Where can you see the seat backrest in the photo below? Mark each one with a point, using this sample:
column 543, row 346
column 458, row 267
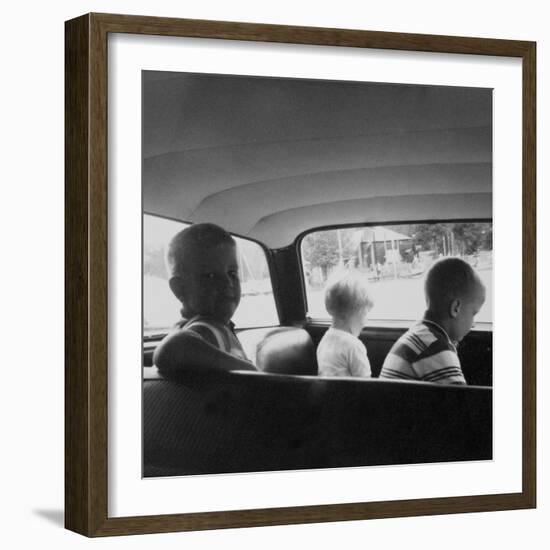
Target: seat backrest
column 242, row 422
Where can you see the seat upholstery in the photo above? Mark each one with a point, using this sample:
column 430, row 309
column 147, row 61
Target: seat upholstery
column 238, row 422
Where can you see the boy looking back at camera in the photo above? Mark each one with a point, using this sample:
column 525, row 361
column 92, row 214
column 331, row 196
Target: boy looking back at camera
column 340, row 352
column 427, row 351
column 203, row 271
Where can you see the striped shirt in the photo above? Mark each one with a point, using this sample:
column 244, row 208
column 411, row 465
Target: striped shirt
column 424, row 353
column 217, row 334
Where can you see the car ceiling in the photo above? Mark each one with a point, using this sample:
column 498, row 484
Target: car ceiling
column 268, row 158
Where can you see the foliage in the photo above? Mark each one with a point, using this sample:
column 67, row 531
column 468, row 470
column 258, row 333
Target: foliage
column 153, row 262
column 453, row 238
column 326, row 249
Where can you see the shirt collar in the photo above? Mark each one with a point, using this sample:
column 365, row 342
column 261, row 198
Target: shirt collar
column 183, row 321
column 440, row 329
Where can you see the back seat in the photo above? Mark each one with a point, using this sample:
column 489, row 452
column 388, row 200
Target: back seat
column 239, row 422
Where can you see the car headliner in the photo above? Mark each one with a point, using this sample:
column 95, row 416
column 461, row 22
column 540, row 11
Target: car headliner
column 268, row 158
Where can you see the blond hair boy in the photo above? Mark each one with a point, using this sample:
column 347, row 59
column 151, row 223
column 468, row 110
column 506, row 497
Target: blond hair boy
column 340, row 352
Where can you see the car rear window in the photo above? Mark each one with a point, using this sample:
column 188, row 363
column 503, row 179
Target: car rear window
column 394, row 259
column 161, row 308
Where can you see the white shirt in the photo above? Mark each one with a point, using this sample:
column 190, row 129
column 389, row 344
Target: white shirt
column 341, row 354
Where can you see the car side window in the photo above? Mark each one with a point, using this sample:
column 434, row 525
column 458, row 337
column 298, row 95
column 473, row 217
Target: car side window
column 394, row 259
column 161, row 308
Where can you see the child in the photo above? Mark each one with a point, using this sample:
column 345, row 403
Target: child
column 340, row 352
column 427, row 351
column 203, row 269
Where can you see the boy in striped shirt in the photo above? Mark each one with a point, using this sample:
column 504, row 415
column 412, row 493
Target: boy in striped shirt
column 427, row 351
column 202, row 262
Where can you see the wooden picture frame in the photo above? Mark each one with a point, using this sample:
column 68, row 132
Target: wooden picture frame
column 86, row 280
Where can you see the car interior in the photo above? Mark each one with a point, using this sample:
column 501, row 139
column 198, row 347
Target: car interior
column 271, row 160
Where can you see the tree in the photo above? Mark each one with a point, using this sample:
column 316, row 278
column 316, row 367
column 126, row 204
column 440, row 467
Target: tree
column 470, row 236
column 321, row 249
column 454, row 238
column 153, row 262
column 430, row 236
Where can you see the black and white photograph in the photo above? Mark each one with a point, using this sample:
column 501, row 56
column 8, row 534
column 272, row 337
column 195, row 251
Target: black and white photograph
column 229, row 228
column 317, row 274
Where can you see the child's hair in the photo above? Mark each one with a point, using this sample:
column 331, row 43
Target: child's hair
column 447, row 280
column 197, row 236
column 347, row 294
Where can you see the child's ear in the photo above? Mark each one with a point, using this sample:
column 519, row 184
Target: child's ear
column 177, row 287
column 454, row 308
